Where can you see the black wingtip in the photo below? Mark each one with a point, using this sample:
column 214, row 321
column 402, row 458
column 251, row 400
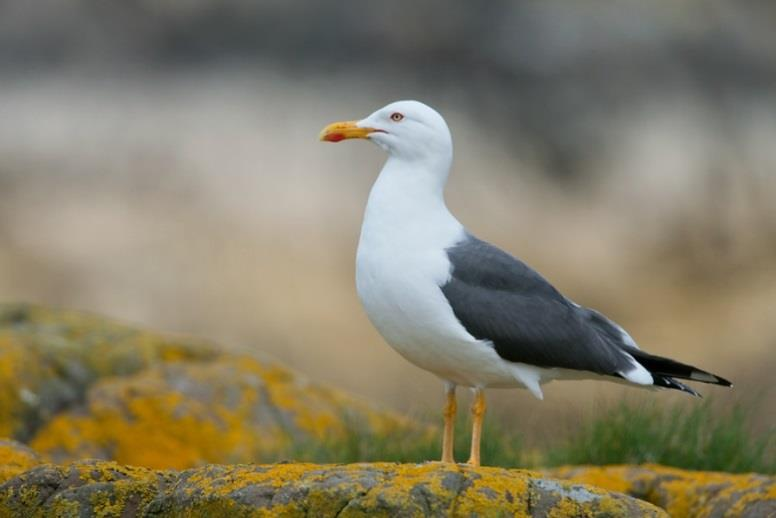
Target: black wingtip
column 671, row 383
column 707, row 377
column 666, row 367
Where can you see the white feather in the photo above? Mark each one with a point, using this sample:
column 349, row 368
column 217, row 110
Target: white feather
column 637, row 374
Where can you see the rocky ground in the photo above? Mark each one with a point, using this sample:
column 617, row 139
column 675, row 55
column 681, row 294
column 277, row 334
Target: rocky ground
column 682, row 492
column 172, row 427
column 103, row 488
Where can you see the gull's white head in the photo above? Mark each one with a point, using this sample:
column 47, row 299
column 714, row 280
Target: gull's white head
column 408, row 130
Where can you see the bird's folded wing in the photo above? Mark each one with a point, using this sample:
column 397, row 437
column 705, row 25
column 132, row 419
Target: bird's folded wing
column 498, row 298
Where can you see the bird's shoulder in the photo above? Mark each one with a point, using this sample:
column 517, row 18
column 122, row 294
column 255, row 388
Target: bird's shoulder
column 478, row 263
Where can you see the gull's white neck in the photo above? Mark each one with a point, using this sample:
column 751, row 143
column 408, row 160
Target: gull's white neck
column 402, row 262
column 406, row 210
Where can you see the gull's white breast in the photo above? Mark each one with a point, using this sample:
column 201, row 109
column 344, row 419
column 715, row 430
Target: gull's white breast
column 400, row 265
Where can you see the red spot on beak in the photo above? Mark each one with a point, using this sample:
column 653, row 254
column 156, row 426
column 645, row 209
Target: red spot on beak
column 335, row 137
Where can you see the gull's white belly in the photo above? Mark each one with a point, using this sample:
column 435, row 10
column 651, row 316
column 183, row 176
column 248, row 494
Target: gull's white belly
column 402, row 297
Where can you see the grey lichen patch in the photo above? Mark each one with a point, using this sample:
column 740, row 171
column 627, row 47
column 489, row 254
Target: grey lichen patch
column 455, row 482
column 577, row 493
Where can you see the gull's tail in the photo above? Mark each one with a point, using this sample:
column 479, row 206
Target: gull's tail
column 665, row 370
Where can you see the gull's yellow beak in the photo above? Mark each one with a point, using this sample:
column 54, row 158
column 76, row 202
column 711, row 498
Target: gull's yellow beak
column 337, row 131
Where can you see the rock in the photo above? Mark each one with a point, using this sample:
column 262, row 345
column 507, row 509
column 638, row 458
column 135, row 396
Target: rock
column 15, row 458
column 49, row 358
column 89, row 488
column 97, row 488
column 683, row 493
column 75, row 385
column 179, row 415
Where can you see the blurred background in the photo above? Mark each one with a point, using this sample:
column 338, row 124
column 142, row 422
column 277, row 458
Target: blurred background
column 159, row 163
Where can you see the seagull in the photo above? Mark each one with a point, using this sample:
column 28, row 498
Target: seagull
column 461, row 308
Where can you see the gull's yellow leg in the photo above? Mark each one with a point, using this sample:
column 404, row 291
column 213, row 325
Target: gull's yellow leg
column 447, row 438
column 478, row 413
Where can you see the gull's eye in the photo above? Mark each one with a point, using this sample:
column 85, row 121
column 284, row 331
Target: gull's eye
column 397, row 117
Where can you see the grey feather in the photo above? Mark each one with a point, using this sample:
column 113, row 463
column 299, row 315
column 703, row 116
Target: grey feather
column 499, row 298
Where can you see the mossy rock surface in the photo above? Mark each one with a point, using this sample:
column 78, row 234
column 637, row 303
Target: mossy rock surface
column 683, row 493
column 99, row 488
column 74, row 385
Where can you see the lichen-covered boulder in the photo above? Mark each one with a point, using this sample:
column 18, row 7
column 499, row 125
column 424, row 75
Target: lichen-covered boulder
column 49, row 358
column 85, row 489
column 75, row 385
column 15, row 458
column 183, row 414
column 683, row 493
column 97, row 488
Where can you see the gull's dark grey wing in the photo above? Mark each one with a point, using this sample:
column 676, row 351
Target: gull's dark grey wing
column 499, row 298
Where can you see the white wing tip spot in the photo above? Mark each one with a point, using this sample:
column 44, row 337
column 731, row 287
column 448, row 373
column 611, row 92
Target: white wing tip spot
column 638, row 374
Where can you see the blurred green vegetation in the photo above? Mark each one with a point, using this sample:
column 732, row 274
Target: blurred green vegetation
column 687, row 435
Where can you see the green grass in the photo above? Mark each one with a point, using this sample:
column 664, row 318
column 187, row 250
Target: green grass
column 499, row 447
column 691, row 435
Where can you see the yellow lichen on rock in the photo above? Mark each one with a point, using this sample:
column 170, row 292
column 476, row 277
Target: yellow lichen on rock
column 15, row 458
column 49, row 358
column 683, row 493
column 185, row 414
column 88, row 488
column 608, row 477
column 76, row 385
column 174, row 416
column 11, row 358
column 96, row 488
